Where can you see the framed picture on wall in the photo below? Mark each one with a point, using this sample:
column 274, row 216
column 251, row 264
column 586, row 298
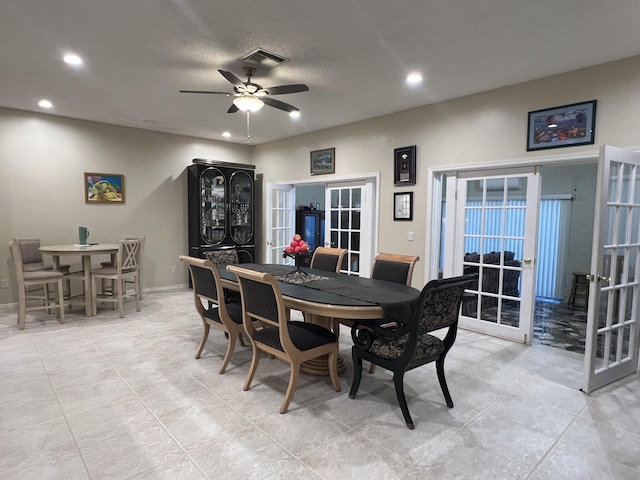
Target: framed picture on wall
column 404, row 165
column 103, row 188
column 403, row 206
column 323, row 161
column 564, row 126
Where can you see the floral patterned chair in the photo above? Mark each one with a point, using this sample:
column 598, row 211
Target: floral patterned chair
column 409, row 344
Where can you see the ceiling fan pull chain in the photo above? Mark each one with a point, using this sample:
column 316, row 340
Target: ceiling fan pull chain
column 248, row 127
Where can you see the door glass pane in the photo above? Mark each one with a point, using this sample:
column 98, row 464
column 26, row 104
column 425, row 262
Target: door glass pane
column 355, row 198
column 355, row 241
column 355, row 220
column 212, row 211
column 345, row 195
column 344, row 219
column 334, row 219
column 335, row 198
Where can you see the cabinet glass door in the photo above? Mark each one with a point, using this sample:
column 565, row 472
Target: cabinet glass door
column 212, row 211
column 241, row 207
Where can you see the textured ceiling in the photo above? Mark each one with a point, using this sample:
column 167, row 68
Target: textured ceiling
column 353, row 55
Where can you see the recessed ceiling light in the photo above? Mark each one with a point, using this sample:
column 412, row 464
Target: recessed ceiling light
column 44, row 103
column 414, row 78
column 295, row 114
column 72, row 59
column 226, row 134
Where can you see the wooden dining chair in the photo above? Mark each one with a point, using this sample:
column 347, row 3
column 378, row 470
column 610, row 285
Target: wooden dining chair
column 126, row 271
column 34, row 262
column 328, row 259
column 210, row 303
column 293, row 342
column 106, row 288
column 29, row 299
column 407, row 344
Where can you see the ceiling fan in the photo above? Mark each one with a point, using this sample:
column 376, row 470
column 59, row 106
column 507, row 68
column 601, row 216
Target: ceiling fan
column 251, row 97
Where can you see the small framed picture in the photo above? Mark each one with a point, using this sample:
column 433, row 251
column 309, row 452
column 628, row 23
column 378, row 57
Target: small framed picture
column 323, row 161
column 103, row 188
column 564, row 126
column 404, row 166
column 403, row 206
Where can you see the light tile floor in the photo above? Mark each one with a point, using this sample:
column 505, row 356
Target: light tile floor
column 112, row 398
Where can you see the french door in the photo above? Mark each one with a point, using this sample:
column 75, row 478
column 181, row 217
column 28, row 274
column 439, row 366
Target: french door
column 496, row 218
column 280, row 220
column 349, row 217
column 612, row 325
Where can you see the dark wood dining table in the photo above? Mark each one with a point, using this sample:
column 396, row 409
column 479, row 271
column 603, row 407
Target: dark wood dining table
column 323, row 296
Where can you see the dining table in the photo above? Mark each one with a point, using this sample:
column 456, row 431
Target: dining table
column 323, row 296
column 86, row 252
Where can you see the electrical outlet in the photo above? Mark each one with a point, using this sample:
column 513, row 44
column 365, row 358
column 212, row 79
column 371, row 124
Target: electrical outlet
column 410, row 236
column 174, row 269
column 4, row 283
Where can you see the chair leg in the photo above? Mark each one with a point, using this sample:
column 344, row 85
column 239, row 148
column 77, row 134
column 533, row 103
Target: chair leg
column 254, row 366
column 231, row 345
column 94, row 298
column 241, row 339
column 119, row 288
column 61, row 299
column 136, row 286
column 443, row 381
column 22, row 307
column 357, row 373
column 205, row 335
column 293, row 382
column 398, row 380
column 372, row 368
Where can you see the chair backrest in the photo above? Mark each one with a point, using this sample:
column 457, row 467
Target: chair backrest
column 262, row 300
column 129, row 255
column 18, row 264
column 328, row 259
column 30, row 250
column 393, row 267
column 205, row 279
column 439, row 302
column 222, row 258
column 142, row 238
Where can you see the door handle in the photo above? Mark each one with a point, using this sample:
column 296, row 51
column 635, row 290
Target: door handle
column 526, row 260
column 591, row 278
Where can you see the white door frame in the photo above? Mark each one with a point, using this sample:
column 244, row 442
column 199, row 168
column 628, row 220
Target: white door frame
column 373, row 177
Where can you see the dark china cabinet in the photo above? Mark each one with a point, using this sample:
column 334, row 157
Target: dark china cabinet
column 221, row 208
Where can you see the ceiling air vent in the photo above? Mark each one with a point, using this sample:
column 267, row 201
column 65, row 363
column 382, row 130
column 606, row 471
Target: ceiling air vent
column 264, row 59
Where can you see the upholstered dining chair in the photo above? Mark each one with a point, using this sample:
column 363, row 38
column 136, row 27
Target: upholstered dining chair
column 34, row 262
column 106, row 289
column 328, row 259
column 222, row 258
column 408, row 344
column 290, row 341
column 126, row 271
column 391, row 267
column 39, row 278
column 210, row 304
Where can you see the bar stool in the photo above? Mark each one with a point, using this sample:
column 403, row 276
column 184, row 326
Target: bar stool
column 579, row 289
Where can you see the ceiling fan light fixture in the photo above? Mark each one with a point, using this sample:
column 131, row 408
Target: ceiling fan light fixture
column 248, row 103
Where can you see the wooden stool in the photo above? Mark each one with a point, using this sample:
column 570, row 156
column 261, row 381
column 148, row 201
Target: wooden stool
column 579, row 289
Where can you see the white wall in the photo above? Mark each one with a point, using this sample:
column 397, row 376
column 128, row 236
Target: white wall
column 484, row 128
column 42, row 163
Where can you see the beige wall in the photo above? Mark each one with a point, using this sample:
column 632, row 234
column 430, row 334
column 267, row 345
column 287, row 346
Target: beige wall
column 42, row 160
column 480, row 129
column 42, row 163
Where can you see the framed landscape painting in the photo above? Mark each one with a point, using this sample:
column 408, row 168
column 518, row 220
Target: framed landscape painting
column 323, row 161
column 103, row 188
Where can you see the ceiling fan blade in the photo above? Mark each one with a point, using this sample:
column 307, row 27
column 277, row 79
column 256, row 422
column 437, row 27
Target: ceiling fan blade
column 233, row 108
column 235, row 81
column 278, row 104
column 284, row 89
column 203, row 91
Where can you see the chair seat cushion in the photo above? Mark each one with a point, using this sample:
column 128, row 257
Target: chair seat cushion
column 304, row 336
column 110, row 270
column 233, row 309
column 42, row 275
column 390, row 348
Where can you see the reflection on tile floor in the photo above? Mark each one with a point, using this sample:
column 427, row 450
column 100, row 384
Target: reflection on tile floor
column 106, row 397
column 560, row 325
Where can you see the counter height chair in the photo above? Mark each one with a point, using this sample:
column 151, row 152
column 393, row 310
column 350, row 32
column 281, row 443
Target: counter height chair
column 408, row 345
column 41, row 278
column 34, row 262
column 292, row 342
column 328, row 259
column 214, row 312
column 106, row 289
column 126, row 271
